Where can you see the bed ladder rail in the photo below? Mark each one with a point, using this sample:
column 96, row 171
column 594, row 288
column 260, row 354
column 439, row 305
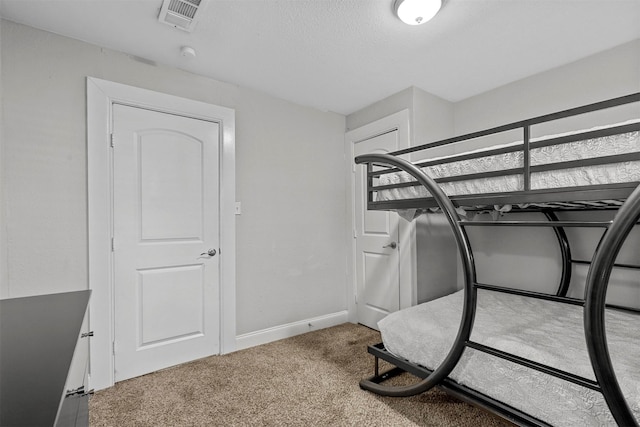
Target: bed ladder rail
column 466, row 256
column 595, row 302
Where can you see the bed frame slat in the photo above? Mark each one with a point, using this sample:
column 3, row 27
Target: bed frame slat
column 567, row 376
column 451, row 387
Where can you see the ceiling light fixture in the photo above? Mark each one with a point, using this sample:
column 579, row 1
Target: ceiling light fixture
column 416, row 12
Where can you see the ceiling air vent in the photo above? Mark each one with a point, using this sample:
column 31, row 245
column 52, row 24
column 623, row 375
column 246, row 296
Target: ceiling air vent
column 181, row 14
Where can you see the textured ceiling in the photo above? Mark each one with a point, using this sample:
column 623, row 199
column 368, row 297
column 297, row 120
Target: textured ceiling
column 342, row 55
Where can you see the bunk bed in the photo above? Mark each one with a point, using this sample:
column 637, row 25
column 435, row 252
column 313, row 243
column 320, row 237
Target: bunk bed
column 533, row 358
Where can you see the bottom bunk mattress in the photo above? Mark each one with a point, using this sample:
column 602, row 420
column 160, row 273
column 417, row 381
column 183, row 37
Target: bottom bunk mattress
column 546, row 332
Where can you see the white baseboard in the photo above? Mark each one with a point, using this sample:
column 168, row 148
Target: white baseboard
column 275, row 333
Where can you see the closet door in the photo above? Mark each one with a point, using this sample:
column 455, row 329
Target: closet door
column 377, row 244
column 166, row 240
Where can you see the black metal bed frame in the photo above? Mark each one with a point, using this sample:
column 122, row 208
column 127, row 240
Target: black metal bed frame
column 600, row 266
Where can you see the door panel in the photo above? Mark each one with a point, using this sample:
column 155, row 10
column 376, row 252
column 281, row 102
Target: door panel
column 377, row 259
column 375, row 222
column 378, row 294
column 170, row 195
column 165, row 222
column 184, row 287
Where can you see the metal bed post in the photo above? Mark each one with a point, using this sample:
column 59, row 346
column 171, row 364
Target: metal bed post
column 526, row 157
column 470, row 292
column 595, row 303
column 565, row 250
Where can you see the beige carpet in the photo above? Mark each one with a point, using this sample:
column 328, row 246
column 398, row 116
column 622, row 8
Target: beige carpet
column 308, row 380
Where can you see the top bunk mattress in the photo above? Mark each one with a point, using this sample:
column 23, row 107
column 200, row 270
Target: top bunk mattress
column 579, row 175
column 546, row 332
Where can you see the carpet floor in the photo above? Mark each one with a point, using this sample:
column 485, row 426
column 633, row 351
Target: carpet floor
column 307, row 380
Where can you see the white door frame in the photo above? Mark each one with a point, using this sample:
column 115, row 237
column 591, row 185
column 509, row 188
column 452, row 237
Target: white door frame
column 101, row 95
column 407, row 230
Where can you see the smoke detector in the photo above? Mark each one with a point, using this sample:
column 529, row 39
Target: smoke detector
column 181, row 14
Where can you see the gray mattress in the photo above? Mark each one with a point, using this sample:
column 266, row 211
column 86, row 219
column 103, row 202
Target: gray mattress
column 628, row 142
column 546, row 332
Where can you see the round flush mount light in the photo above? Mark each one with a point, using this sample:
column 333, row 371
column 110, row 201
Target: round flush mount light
column 416, row 12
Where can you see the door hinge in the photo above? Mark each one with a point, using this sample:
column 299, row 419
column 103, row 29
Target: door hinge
column 113, row 348
column 111, row 140
column 113, row 244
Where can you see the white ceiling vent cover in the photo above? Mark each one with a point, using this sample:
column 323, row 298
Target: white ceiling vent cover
column 181, row 14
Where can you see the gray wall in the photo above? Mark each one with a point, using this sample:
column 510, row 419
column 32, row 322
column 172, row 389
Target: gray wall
column 615, row 72
column 524, row 257
column 512, row 257
column 291, row 260
column 3, row 241
column 291, row 256
column 382, row 108
column 430, row 119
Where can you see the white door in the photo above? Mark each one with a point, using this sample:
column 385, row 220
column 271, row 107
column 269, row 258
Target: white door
column 377, row 244
column 166, row 237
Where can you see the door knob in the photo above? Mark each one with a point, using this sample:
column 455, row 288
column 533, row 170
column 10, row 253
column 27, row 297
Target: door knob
column 391, row 245
column 210, row 252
